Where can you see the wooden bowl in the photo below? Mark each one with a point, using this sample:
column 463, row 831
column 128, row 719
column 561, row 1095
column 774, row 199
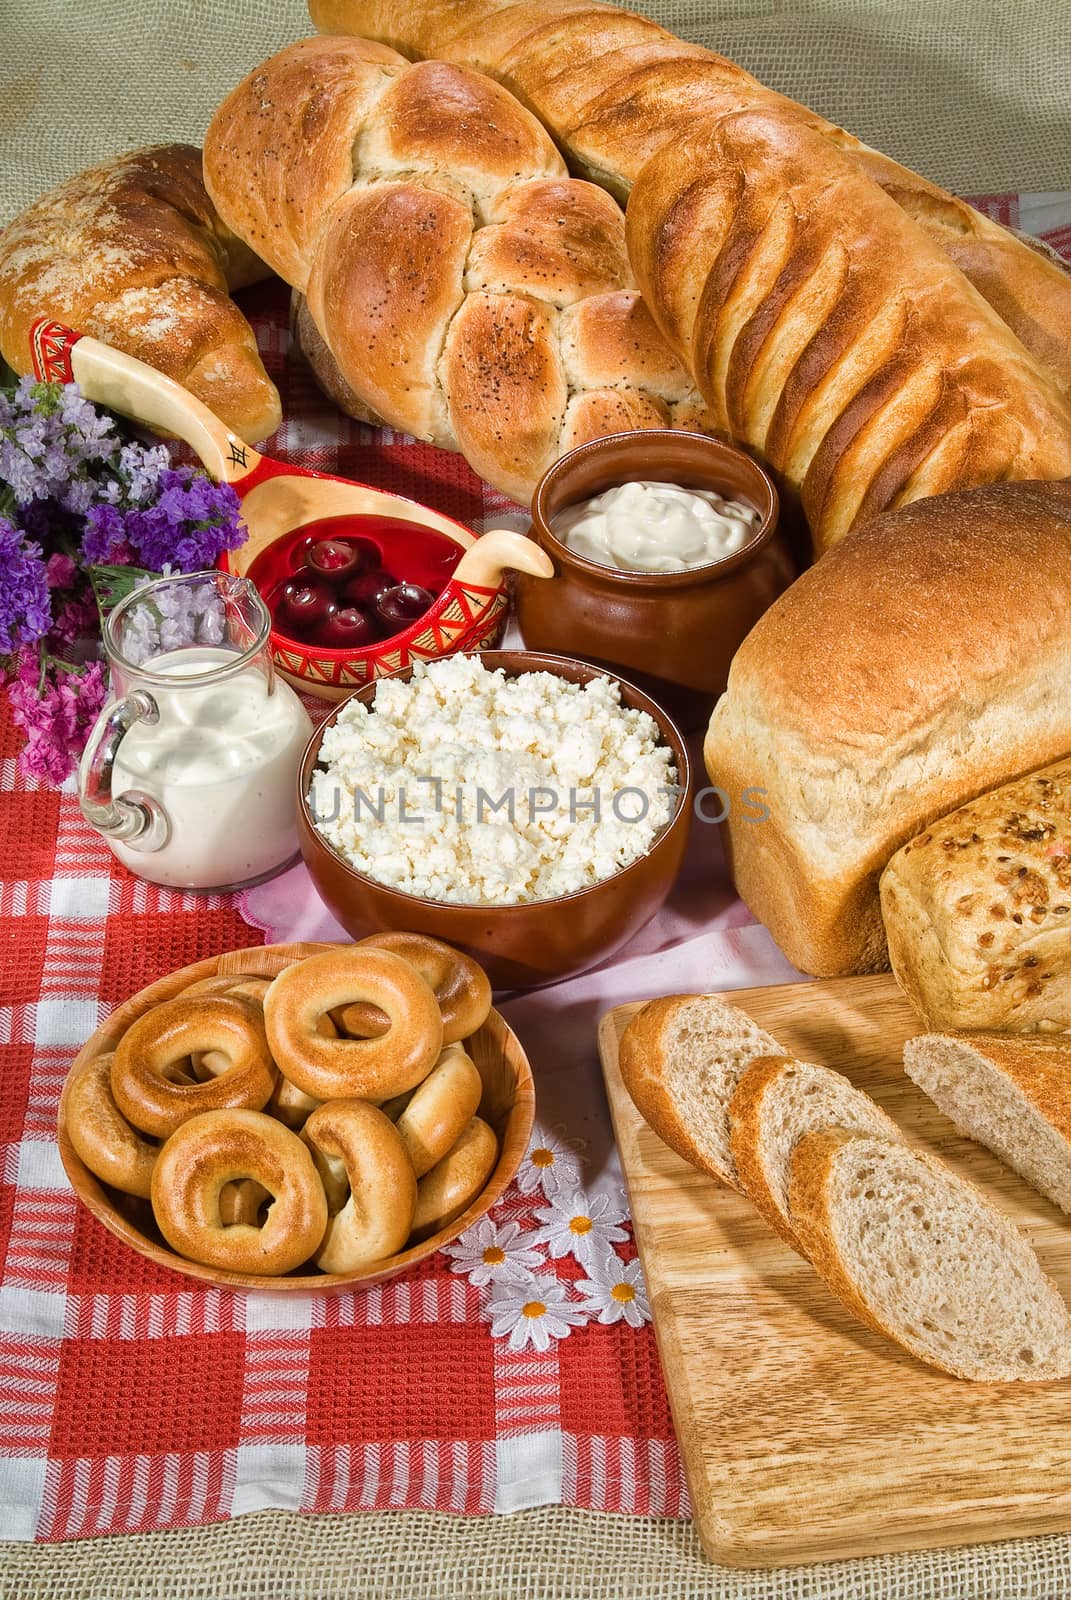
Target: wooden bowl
column 508, row 1104
column 518, row 946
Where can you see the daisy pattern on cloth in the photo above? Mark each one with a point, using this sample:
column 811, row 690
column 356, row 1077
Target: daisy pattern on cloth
column 616, row 1290
column 552, row 1163
column 533, row 1313
column 581, row 1225
column 494, row 1252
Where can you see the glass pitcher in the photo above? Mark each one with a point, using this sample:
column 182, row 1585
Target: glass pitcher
column 190, row 772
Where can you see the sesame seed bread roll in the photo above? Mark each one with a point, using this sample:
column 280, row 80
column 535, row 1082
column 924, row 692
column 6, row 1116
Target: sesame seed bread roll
column 977, row 910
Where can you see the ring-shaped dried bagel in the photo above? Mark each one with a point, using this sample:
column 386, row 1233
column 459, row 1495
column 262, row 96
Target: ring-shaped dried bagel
column 218, row 1148
column 369, row 1181
column 157, row 1046
column 103, row 1138
column 445, row 1191
column 461, row 986
column 362, row 1069
column 440, row 1109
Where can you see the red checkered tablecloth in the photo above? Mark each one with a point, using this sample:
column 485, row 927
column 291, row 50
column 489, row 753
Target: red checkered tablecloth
column 132, row 1399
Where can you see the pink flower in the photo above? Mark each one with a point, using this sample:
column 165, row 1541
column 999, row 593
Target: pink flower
column 55, row 714
column 60, row 570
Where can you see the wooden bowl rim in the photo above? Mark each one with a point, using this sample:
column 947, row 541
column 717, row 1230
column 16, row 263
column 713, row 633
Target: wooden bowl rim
column 94, row 1194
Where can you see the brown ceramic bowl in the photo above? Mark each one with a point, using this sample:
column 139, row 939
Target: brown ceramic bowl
column 520, row 945
column 508, row 1104
column 673, row 632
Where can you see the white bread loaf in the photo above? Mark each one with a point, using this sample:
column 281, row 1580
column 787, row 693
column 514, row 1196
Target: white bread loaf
column 1009, row 1093
column 920, row 1255
column 921, row 662
column 977, row 910
column 774, row 1105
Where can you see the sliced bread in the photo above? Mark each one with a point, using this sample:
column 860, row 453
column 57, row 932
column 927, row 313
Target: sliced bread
column 680, row 1060
column 922, row 1256
column 1010, row 1092
column 775, row 1103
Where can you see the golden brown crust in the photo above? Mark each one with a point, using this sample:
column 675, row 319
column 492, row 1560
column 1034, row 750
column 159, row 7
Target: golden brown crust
column 150, row 1085
column 461, row 987
column 781, row 204
column 860, row 733
column 977, row 909
column 614, row 89
column 377, row 1216
column 442, row 246
column 219, row 1148
column 745, row 1134
column 455, row 1180
column 1039, row 1067
column 641, row 1058
column 133, row 253
column 110, row 1147
column 366, row 1069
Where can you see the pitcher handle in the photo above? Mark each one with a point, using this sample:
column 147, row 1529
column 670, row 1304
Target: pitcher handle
column 137, row 818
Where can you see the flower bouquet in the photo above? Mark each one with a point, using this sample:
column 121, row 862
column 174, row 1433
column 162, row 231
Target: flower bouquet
column 87, row 512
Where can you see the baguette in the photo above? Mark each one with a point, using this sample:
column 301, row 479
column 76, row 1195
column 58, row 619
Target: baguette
column 918, row 664
column 921, row 1256
column 133, row 253
column 1012, row 1095
column 774, row 1105
column 977, row 910
column 680, row 1060
column 614, row 88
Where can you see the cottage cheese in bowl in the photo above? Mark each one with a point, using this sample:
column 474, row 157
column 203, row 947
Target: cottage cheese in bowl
column 465, row 786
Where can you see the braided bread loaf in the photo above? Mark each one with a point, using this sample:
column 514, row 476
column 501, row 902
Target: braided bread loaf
column 613, row 88
column 464, row 287
column 133, row 253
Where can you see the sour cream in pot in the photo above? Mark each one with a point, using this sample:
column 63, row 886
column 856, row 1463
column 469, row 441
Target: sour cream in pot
column 656, row 527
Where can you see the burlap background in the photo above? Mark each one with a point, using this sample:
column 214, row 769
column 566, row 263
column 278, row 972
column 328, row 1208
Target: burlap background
column 971, row 92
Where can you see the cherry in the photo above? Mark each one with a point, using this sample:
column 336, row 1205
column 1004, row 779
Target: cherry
column 402, row 605
column 302, row 605
column 348, row 628
column 333, row 559
column 368, row 588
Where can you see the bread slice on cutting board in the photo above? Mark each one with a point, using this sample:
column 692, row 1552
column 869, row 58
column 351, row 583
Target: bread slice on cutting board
column 1010, row 1092
column 775, row 1104
column 920, row 1255
column 680, row 1059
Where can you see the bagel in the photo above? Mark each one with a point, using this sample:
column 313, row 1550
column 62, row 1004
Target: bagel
column 456, row 1180
column 217, row 1148
column 369, row 1182
column 461, row 987
column 103, row 1138
column 363, row 1069
column 151, row 1085
column 440, row 1109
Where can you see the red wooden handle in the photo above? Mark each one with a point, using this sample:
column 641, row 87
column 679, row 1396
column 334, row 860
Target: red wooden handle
column 50, row 351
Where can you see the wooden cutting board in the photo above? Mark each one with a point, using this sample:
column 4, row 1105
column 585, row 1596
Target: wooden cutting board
column 805, row 1437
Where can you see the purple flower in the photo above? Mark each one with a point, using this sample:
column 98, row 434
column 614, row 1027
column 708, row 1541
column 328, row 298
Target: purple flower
column 25, row 607
column 192, row 522
column 105, row 536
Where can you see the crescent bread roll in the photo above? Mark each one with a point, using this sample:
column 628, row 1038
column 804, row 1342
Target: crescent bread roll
column 613, row 88
column 133, row 253
column 827, row 332
column 977, row 910
column 457, row 281
column 918, row 664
